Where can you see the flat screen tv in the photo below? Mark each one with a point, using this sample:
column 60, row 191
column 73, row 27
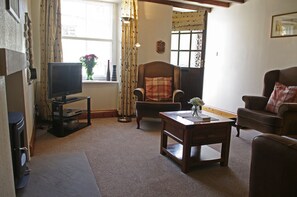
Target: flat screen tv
column 64, row 79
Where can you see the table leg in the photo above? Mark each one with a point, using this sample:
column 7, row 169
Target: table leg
column 164, row 138
column 186, row 153
column 225, row 149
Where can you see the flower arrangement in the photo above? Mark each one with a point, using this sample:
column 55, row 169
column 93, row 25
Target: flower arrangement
column 196, row 101
column 89, row 61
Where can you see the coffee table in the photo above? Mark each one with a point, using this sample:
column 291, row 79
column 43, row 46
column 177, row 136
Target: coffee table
column 192, row 137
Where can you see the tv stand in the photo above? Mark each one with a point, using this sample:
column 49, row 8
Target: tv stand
column 66, row 99
column 66, row 121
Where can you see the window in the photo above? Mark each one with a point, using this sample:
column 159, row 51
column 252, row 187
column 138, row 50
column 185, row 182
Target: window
column 88, row 27
column 186, row 48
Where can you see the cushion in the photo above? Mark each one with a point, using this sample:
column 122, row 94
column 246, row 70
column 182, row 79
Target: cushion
column 158, row 88
column 280, row 94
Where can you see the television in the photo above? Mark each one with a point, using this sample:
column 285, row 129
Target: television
column 64, row 79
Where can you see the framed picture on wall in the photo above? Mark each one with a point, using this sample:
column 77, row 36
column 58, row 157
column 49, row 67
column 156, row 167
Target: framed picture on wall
column 284, row 25
column 13, row 7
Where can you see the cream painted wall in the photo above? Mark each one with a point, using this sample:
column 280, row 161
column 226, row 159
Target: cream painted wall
column 239, row 51
column 154, row 23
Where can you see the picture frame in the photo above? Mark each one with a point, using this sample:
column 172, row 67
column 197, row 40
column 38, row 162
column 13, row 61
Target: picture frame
column 13, row 7
column 284, row 25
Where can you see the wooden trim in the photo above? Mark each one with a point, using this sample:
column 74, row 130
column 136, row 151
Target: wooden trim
column 212, row 2
column 101, row 114
column 235, row 1
column 178, row 4
column 32, row 140
column 220, row 112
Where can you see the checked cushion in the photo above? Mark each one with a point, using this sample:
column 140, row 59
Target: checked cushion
column 158, row 88
column 280, row 94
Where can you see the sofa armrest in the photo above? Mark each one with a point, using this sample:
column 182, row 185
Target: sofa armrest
column 139, row 92
column 255, row 102
column 287, row 108
column 177, row 95
column 273, row 169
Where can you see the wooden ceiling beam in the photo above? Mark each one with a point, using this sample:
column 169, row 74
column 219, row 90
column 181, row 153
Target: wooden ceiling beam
column 178, row 4
column 235, row 1
column 211, row 2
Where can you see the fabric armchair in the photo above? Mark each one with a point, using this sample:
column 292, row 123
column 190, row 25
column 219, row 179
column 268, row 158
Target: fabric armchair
column 273, row 169
column 267, row 114
column 158, row 90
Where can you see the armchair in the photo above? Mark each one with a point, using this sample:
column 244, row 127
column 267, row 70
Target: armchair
column 158, row 90
column 273, row 169
column 255, row 114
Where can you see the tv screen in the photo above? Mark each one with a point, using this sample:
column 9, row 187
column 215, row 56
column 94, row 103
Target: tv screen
column 64, row 79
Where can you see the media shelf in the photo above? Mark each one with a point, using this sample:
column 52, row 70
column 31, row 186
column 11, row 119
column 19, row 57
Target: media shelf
column 66, row 121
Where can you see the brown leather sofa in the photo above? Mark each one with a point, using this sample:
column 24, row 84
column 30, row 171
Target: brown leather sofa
column 273, row 170
column 146, row 108
column 254, row 115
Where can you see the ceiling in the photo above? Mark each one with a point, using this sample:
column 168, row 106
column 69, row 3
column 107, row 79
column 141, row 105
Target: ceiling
column 197, row 4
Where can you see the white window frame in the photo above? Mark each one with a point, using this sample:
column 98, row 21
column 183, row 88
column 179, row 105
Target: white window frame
column 113, row 40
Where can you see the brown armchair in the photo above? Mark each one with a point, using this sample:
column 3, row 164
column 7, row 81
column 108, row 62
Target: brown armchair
column 255, row 115
column 149, row 104
column 273, row 166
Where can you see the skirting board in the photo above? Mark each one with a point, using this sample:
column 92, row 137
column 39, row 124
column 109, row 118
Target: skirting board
column 101, row 114
column 220, row 112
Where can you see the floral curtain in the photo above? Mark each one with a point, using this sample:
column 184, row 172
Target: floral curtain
column 129, row 58
column 188, row 20
column 50, row 48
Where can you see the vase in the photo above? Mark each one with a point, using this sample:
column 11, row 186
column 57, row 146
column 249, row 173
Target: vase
column 196, row 111
column 114, row 73
column 108, row 72
column 90, row 73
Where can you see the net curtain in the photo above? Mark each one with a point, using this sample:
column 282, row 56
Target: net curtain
column 50, row 48
column 128, row 76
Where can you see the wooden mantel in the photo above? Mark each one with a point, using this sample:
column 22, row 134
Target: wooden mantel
column 11, row 61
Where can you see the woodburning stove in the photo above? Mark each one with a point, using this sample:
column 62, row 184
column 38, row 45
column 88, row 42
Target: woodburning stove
column 19, row 151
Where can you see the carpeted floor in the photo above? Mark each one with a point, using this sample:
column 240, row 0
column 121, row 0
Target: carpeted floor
column 126, row 161
column 60, row 175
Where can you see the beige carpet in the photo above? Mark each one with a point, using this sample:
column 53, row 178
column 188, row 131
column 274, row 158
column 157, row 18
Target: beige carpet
column 126, row 161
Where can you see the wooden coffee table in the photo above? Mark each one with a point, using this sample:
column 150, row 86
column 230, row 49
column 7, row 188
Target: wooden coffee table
column 192, row 137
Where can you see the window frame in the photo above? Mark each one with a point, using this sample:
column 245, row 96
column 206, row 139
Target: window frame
column 113, row 41
column 190, row 50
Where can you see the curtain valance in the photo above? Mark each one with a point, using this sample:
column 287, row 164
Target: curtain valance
column 188, row 20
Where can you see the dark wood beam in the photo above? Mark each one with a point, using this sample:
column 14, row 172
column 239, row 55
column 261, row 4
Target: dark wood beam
column 212, row 2
column 235, row 1
column 178, row 4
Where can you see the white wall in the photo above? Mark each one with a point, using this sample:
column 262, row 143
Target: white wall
column 239, row 51
column 154, row 24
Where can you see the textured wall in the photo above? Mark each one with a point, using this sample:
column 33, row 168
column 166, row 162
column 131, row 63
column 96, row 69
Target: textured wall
column 12, row 37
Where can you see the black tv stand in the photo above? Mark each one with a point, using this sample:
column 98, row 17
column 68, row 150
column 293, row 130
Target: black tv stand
column 66, row 99
column 63, row 123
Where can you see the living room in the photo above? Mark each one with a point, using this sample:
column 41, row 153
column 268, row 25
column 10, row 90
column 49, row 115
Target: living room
column 239, row 51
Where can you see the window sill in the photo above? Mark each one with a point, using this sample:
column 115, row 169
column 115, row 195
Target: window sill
column 98, row 81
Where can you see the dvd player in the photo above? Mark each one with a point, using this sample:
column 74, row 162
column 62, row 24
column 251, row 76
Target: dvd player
column 69, row 112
